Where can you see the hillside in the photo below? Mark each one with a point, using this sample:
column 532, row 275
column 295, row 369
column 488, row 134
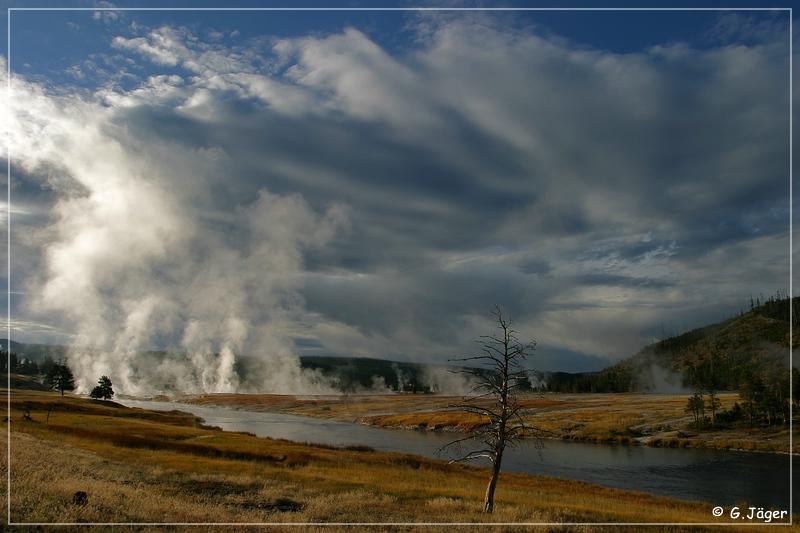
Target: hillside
column 36, row 352
column 719, row 355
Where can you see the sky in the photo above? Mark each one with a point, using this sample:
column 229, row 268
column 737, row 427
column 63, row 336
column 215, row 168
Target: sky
column 371, row 183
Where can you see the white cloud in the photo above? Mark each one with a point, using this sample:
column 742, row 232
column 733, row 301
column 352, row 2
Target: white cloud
column 128, row 259
column 383, row 203
column 164, row 46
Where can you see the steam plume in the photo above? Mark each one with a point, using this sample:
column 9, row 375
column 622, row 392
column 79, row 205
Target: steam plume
column 142, row 249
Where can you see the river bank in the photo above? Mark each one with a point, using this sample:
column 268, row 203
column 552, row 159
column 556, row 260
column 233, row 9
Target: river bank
column 630, row 418
column 688, row 473
column 144, row 468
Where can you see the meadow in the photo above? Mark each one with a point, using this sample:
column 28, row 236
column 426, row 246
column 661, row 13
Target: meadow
column 144, row 468
column 630, row 418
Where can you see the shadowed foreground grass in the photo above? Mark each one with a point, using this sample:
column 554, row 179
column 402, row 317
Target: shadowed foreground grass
column 144, row 467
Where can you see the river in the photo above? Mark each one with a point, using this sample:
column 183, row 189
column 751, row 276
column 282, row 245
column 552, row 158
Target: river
column 719, row 477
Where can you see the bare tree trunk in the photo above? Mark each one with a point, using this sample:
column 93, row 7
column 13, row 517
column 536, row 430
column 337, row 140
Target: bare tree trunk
column 504, row 356
column 488, row 502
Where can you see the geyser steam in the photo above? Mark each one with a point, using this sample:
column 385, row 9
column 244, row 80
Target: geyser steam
column 148, row 246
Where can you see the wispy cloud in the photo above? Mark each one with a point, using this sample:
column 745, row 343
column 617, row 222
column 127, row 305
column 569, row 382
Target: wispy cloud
column 381, row 201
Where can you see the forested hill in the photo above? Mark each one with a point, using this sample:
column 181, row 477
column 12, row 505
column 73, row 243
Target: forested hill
column 721, row 356
column 36, row 352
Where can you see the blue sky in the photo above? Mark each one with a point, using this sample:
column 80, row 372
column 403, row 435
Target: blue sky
column 372, row 183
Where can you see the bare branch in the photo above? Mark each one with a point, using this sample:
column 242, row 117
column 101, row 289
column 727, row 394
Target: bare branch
column 494, row 398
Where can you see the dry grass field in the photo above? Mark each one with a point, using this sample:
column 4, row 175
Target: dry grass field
column 142, row 467
column 652, row 419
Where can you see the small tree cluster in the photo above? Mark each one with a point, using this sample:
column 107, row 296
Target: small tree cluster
column 766, row 399
column 60, row 377
column 699, row 403
column 696, row 405
column 103, row 389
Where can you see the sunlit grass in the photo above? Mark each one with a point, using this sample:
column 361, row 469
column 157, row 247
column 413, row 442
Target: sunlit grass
column 653, row 419
column 142, row 466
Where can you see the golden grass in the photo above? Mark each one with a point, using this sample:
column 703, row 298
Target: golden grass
column 436, row 420
column 654, row 419
column 142, row 467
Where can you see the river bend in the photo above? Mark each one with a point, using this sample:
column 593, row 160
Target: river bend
column 719, row 477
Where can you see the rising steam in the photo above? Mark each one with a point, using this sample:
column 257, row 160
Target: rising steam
column 145, row 246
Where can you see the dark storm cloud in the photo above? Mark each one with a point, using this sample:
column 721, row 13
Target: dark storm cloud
column 535, row 267
column 399, row 197
column 614, row 280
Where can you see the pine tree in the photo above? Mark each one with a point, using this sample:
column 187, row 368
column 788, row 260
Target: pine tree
column 695, row 406
column 103, row 389
column 752, row 392
column 60, row 378
column 714, row 404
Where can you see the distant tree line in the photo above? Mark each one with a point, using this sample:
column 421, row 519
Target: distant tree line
column 354, row 374
column 618, row 378
column 15, row 364
column 776, row 307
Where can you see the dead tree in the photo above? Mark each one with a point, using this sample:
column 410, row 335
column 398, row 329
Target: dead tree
column 494, row 397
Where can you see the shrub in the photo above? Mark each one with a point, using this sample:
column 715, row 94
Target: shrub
column 728, row 416
column 701, row 423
